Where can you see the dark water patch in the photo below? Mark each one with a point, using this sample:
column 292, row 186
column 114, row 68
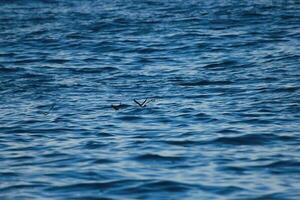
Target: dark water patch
column 184, row 143
column 48, row 130
column 221, row 65
column 151, row 188
column 166, row 185
column 191, row 35
column 205, row 83
column 288, row 58
column 76, row 35
column 20, row 159
column 245, row 44
column 34, row 76
column 57, row 61
column 94, row 145
column 283, row 164
column 92, row 198
column 4, row 69
column 54, row 154
column 158, row 158
column 91, row 60
column 90, row 186
column 61, row 162
column 95, row 70
column 27, row 61
column 147, row 50
column 229, row 131
column 7, row 54
column 251, row 14
column 234, row 169
column 102, row 161
column 256, row 121
column 104, row 134
column 253, row 139
column 7, row 175
column 275, row 167
column 202, row 116
column 286, row 90
column 223, row 190
column 130, row 118
column 275, row 195
column 24, row 148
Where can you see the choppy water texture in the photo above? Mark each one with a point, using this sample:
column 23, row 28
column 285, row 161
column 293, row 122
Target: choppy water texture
column 224, row 76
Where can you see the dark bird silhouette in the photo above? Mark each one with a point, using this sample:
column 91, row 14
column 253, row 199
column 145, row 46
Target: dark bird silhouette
column 144, row 103
column 116, row 107
column 140, row 104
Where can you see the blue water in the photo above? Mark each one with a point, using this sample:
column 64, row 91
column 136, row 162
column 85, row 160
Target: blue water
column 223, row 78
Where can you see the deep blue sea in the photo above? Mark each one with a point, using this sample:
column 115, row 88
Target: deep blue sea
column 221, row 85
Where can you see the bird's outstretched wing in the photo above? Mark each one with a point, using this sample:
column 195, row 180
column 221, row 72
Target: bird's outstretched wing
column 138, row 103
column 145, row 102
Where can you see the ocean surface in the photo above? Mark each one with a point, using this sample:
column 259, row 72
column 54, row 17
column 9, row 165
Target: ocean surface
column 222, row 115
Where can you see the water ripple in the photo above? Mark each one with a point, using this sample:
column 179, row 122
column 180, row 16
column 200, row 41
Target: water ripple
column 221, row 83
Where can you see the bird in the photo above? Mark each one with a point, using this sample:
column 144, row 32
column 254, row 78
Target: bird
column 140, row 104
column 116, row 107
column 145, row 102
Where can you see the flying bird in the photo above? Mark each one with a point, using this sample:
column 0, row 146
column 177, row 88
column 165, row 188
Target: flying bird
column 144, row 103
